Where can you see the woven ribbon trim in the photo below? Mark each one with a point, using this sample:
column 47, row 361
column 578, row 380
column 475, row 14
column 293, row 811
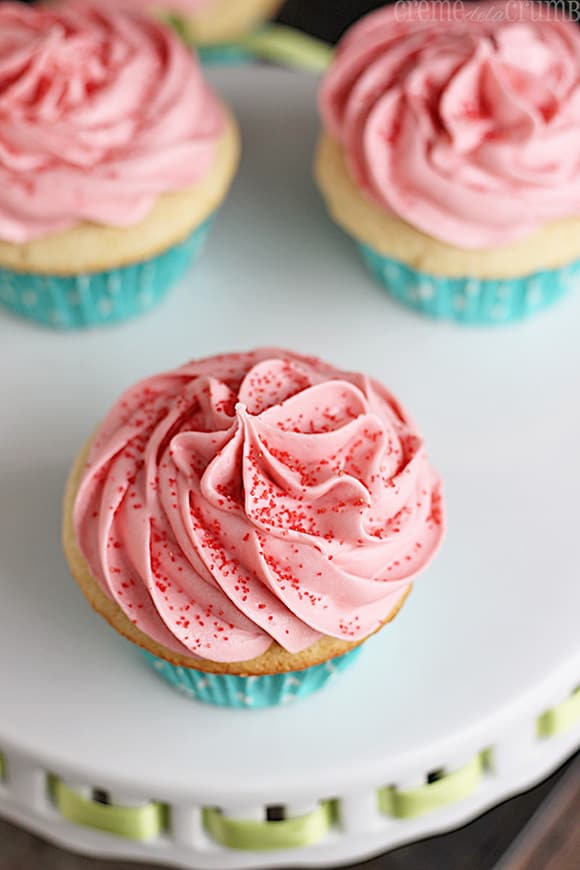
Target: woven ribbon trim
column 149, row 821
column 134, row 823
column 560, row 718
column 450, row 788
column 261, row 836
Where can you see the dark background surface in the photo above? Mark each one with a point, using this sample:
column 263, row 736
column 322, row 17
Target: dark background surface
column 328, row 19
column 478, row 846
column 324, row 18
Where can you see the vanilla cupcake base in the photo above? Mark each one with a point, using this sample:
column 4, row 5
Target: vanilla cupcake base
column 471, row 286
column 92, row 275
column 267, row 679
column 226, row 20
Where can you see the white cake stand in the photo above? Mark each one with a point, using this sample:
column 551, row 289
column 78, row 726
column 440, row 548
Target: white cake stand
column 458, row 685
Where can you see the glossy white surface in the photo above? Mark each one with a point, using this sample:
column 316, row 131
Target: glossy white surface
column 491, row 629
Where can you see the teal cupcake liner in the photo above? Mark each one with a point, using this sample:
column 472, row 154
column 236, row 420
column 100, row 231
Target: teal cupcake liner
column 228, row 690
column 99, row 298
column 474, row 301
column 224, row 54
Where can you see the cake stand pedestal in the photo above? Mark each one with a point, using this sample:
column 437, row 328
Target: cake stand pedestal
column 468, row 698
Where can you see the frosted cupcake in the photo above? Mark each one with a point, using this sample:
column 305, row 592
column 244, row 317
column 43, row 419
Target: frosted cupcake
column 250, row 520
column 114, row 156
column 206, row 22
column 451, row 154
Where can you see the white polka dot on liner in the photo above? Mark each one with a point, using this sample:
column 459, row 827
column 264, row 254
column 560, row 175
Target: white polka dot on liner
column 571, row 280
column 503, row 291
column 293, row 681
column 105, row 306
column 29, row 298
column 498, row 312
column 146, row 279
column 146, row 298
column 113, row 284
column 426, row 291
column 6, row 292
column 534, row 293
column 390, row 272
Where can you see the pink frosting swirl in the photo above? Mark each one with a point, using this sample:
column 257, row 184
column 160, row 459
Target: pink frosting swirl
column 257, row 497
column 467, row 126
column 99, row 114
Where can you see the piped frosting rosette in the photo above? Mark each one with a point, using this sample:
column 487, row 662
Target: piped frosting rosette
column 100, row 114
column 451, row 154
column 253, row 499
column 114, row 157
column 466, row 125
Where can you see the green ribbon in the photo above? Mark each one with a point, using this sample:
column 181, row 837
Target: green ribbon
column 288, row 47
column 452, row 787
column 262, row 836
column 2, row 768
column 560, row 718
column 133, row 823
column 274, row 42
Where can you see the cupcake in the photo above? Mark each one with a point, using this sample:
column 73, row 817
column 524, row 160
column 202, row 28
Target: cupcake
column 451, row 154
column 249, row 520
column 114, row 156
column 205, row 22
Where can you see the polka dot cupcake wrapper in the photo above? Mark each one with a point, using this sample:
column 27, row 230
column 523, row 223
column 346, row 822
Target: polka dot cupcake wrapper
column 471, row 300
column 227, row 690
column 225, row 54
column 99, row 298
